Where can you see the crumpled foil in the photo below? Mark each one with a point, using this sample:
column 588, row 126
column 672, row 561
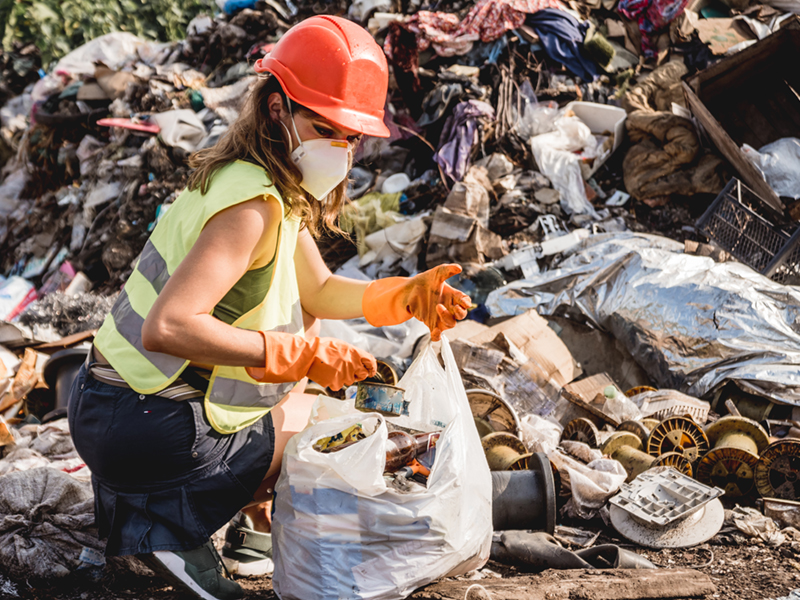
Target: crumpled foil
column 68, row 314
column 691, row 323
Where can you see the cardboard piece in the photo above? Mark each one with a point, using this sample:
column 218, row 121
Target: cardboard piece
column 550, row 363
column 461, row 238
column 616, row 29
column 25, row 380
column 6, row 437
column 588, row 388
column 722, row 34
column 113, row 83
column 91, row 91
column 465, row 329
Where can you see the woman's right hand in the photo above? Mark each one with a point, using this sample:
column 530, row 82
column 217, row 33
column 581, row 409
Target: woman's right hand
column 327, row 361
column 338, row 364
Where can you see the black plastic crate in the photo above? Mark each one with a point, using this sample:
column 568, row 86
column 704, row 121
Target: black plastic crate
column 734, row 222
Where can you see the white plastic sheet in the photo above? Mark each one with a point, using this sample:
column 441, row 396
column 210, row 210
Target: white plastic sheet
column 540, row 434
column 590, row 485
column 779, row 163
column 340, row 533
column 112, row 49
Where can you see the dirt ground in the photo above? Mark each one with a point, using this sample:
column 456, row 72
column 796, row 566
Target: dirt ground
column 741, row 571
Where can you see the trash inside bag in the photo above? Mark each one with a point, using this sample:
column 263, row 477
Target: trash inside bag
column 338, row 526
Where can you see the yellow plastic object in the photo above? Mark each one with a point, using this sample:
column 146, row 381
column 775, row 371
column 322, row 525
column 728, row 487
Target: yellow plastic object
column 639, row 389
column 678, row 434
column 351, row 434
column 582, row 430
column 505, row 452
column 731, row 464
column 778, row 471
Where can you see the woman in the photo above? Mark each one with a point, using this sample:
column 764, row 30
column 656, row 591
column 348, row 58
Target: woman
column 194, row 384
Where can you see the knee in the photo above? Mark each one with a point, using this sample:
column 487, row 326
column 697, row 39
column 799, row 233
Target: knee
column 311, row 325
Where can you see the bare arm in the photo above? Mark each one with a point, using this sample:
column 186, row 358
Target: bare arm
column 322, row 294
column 180, row 322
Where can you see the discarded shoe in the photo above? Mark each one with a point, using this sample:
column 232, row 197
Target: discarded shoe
column 247, row 551
column 199, row 571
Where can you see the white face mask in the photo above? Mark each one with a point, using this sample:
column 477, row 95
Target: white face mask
column 324, row 163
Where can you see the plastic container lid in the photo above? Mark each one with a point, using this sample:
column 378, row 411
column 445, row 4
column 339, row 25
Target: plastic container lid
column 395, row 183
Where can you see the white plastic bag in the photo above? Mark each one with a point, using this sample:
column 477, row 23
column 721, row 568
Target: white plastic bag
column 590, row 485
column 555, row 156
column 540, row 434
column 340, row 533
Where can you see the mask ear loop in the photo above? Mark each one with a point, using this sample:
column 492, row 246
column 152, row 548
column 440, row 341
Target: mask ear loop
column 294, row 126
column 288, row 136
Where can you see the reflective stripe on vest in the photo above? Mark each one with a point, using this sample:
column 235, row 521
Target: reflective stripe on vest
column 129, row 323
column 232, row 391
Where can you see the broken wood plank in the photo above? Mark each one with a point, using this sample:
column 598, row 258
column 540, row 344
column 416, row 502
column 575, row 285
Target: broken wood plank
column 576, row 584
column 749, row 174
column 66, row 342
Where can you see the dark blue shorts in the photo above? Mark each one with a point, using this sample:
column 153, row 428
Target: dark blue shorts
column 163, row 478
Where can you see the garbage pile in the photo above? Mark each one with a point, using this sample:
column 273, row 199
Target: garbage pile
column 610, row 373
column 500, row 113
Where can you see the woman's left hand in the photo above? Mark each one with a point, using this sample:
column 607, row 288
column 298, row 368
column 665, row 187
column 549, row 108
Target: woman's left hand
column 425, row 296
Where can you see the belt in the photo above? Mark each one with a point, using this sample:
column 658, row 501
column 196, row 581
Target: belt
column 191, row 384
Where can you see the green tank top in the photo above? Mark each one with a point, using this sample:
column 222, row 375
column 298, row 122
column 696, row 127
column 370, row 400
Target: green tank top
column 246, row 294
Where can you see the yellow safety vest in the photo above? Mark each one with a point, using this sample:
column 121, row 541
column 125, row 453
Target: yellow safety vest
column 234, row 400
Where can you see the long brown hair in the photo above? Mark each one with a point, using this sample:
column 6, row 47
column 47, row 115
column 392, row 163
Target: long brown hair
column 257, row 137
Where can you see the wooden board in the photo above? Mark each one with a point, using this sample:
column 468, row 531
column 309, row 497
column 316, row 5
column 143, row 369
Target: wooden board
column 731, row 151
column 608, row 584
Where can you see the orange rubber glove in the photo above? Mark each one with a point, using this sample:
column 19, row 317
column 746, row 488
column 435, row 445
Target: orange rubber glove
column 426, row 296
column 327, row 361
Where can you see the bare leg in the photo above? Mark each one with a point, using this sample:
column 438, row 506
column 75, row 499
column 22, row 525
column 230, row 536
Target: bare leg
column 289, row 417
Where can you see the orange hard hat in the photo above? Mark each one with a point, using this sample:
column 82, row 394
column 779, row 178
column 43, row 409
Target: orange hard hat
column 333, row 67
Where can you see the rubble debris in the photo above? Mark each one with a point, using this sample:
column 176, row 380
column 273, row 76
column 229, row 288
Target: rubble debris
column 754, row 524
column 589, row 486
column 784, row 512
column 536, row 551
column 67, row 314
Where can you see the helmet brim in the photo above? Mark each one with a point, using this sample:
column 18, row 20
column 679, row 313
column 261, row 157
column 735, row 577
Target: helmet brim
column 368, row 124
column 350, row 119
